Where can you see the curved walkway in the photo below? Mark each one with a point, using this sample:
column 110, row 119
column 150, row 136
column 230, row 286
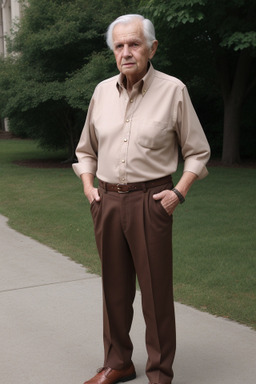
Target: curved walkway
column 50, row 325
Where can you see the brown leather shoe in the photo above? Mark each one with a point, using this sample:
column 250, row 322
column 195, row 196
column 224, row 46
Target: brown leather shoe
column 112, row 376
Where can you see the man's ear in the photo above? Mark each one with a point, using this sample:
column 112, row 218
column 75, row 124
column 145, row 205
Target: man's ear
column 153, row 49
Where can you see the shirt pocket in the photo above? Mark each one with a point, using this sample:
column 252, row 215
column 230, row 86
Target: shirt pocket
column 152, row 134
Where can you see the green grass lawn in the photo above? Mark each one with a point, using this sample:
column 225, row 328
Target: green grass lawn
column 214, row 231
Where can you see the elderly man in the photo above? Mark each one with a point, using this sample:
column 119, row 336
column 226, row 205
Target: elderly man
column 135, row 123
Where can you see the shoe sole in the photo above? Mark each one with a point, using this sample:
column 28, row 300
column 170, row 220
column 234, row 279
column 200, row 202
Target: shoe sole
column 127, row 378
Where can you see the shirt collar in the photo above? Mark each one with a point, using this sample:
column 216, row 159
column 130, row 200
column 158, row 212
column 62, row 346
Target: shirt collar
column 142, row 85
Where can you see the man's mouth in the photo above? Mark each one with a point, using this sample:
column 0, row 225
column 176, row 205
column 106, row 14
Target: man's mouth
column 128, row 64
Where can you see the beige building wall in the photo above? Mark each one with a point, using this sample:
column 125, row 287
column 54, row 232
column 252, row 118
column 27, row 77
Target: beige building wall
column 10, row 11
column 1, row 33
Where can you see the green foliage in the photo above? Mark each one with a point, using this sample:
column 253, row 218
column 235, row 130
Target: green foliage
column 57, row 56
column 176, row 12
column 80, row 85
column 227, row 20
column 240, row 41
column 203, row 24
column 56, row 36
column 211, row 46
column 55, row 39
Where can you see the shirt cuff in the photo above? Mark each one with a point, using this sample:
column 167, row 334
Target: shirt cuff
column 80, row 168
column 197, row 167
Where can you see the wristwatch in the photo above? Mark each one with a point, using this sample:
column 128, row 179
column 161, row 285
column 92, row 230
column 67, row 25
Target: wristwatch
column 180, row 196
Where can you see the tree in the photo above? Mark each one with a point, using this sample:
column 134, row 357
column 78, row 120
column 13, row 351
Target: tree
column 223, row 33
column 57, row 55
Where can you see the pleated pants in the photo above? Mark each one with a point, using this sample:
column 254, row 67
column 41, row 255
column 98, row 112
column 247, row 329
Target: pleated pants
column 133, row 233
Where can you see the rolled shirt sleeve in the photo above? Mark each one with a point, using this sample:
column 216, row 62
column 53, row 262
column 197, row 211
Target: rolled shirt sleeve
column 193, row 142
column 87, row 149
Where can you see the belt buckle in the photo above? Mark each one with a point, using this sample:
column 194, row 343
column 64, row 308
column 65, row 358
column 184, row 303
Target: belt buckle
column 120, row 186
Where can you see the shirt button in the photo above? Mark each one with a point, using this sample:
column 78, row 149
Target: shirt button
column 127, row 121
column 131, row 101
column 123, row 161
column 125, row 140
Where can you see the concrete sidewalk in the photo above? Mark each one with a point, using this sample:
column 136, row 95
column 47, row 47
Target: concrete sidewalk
column 51, row 325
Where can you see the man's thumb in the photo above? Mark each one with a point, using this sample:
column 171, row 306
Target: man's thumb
column 157, row 196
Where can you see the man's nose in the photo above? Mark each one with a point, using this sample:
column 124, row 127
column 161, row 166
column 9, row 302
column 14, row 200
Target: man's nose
column 126, row 51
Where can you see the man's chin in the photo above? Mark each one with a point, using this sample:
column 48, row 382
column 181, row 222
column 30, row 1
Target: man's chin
column 129, row 71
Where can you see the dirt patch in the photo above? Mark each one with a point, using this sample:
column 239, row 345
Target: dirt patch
column 7, row 136
column 35, row 163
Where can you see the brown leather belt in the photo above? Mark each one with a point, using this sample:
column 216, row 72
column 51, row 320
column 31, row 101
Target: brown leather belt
column 131, row 187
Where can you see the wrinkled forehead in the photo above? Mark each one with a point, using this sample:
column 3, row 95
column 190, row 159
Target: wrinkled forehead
column 128, row 31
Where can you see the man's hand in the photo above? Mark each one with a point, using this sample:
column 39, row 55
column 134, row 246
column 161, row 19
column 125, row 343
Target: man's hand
column 90, row 192
column 169, row 200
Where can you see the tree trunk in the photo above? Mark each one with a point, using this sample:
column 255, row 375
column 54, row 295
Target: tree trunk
column 234, row 89
column 70, row 132
column 231, row 133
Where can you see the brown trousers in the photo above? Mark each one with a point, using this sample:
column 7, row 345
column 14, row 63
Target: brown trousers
column 133, row 233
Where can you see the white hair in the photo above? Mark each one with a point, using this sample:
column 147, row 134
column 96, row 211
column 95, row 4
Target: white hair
column 148, row 28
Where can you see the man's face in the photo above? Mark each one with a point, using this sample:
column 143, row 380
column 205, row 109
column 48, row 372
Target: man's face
column 131, row 51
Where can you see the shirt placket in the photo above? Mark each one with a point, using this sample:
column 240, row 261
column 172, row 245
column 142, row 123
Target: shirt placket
column 130, row 103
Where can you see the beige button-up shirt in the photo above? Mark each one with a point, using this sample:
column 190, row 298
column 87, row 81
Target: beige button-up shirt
column 135, row 137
